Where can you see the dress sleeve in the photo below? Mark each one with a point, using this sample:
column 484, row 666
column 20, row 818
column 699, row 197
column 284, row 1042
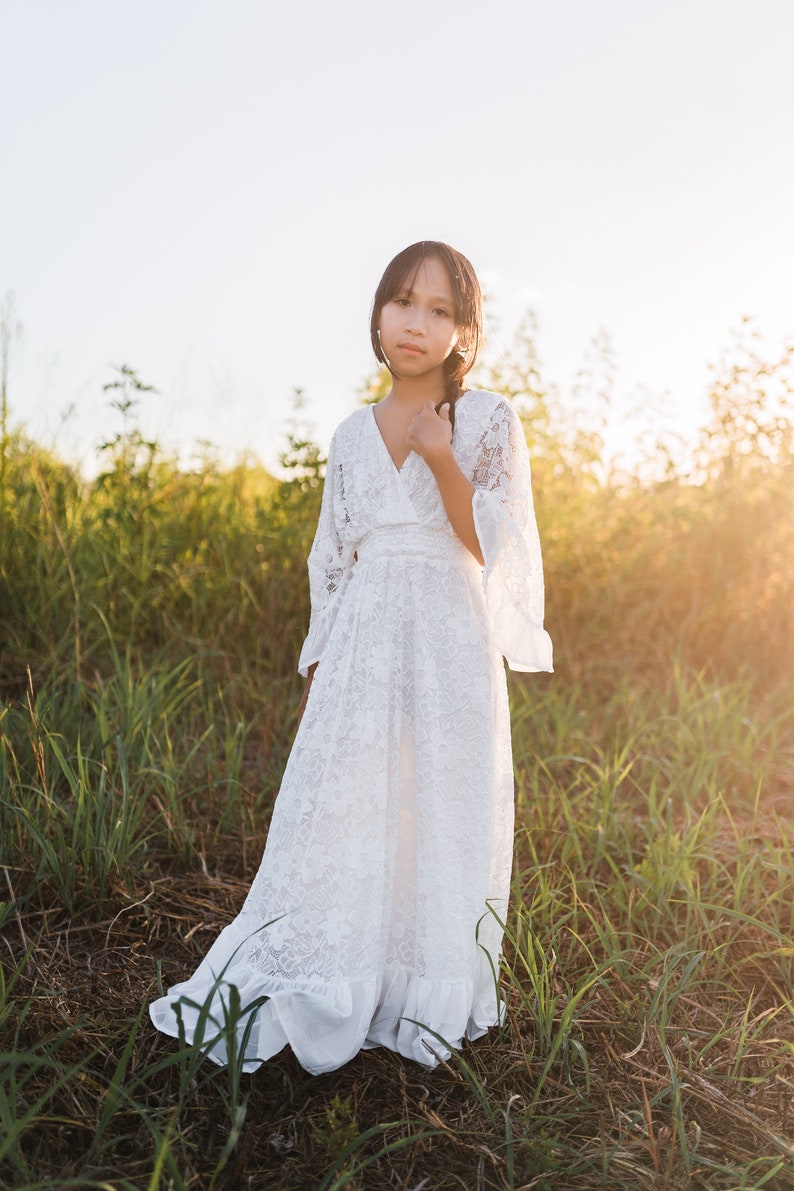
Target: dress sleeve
column 330, row 562
column 504, row 518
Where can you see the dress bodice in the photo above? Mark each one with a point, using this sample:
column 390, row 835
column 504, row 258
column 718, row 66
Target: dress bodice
column 365, row 491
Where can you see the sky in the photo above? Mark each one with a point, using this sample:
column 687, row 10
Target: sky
column 207, row 191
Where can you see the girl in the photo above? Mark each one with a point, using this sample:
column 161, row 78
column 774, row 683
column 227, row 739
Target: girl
column 374, row 919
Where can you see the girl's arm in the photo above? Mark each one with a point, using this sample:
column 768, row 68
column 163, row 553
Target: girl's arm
column 330, row 562
column 430, row 435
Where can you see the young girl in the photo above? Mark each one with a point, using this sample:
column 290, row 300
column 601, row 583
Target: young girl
column 374, row 917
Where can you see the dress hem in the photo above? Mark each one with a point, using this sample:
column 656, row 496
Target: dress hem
column 324, row 1022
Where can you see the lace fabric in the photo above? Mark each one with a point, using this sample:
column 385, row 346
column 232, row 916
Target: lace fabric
column 375, row 916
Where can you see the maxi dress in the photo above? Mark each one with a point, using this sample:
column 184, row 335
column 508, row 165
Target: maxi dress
column 376, row 915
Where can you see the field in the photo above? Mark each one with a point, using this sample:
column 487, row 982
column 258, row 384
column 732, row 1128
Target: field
column 151, row 619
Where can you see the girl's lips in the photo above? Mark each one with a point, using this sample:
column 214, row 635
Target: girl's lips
column 411, row 349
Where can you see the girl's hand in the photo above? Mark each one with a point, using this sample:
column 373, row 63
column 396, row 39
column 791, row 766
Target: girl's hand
column 429, row 433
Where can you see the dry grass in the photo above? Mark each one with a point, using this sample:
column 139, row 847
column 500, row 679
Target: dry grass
column 664, row 1088
column 150, row 626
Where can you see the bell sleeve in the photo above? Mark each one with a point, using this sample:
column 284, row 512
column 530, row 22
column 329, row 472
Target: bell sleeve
column 504, row 519
column 330, row 561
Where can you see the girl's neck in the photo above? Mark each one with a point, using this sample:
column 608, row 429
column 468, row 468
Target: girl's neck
column 412, row 394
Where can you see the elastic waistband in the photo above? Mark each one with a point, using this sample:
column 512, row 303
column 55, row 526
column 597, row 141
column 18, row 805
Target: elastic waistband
column 411, row 541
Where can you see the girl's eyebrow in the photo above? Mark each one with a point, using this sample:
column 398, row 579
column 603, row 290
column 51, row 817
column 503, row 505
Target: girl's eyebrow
column 437, row 299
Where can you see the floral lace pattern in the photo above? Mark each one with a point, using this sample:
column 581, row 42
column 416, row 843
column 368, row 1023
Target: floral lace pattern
column 375, row 915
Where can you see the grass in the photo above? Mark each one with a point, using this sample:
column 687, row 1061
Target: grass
column 150, row 624
column 647, row 977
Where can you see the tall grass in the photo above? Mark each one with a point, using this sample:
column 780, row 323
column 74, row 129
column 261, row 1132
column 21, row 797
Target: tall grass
column 150, row 623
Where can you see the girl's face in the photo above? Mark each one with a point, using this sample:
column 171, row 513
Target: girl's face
column 417, row 326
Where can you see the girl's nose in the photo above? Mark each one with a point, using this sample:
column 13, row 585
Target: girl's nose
column 415, row 322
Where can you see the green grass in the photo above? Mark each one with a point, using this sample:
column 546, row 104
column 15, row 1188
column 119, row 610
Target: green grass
column 151, row 621
column 647, row 975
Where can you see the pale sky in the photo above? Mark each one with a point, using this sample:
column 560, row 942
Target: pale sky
column 209, row 191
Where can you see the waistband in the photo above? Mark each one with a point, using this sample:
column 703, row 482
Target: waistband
column 412, row 541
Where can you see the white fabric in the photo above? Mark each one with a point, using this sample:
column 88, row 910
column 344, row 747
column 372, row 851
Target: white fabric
column 375, row 916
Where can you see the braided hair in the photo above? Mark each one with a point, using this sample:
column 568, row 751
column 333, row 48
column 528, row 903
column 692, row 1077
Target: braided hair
column 399, row 276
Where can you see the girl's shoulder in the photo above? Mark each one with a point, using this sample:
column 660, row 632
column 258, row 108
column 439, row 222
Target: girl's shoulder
column 352, row 425
column 479, row 405
column 482, row 397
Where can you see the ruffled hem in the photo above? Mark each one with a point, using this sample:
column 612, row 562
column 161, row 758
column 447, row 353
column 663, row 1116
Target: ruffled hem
column 508, row 580
column 325, row 1024
column 425, row 1020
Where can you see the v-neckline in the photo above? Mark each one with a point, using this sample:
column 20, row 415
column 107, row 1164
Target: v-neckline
column 389, row 456
column 379, row 432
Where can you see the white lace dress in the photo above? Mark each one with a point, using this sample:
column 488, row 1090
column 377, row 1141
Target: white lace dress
column 374, row 917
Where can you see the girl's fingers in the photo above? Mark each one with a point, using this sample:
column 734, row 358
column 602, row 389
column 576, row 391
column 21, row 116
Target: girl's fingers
column 428, row 413
column 429, row 432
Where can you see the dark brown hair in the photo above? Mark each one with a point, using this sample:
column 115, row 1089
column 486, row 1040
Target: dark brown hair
column 399, row 277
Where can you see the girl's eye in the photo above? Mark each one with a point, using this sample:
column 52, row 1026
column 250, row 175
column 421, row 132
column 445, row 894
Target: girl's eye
column 443, row 313
column 401, row 302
